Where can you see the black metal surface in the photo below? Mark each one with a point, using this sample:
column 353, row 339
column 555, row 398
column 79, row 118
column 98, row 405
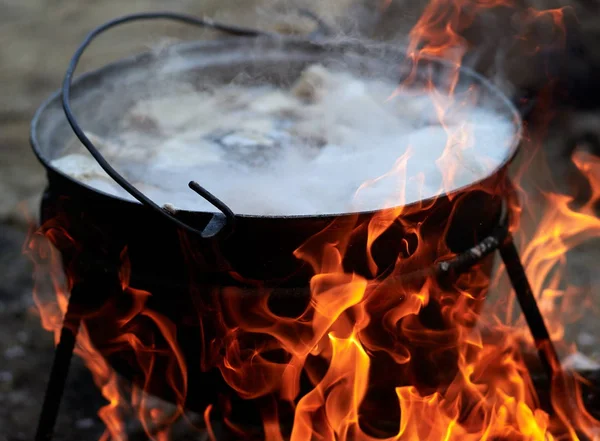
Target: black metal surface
column 87, row 296
column 59, row 372
column 529, row 307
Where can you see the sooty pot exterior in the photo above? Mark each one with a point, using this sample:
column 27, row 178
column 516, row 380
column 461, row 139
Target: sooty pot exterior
column 201, row 288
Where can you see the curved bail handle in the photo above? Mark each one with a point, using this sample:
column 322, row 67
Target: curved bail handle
column 222, row 223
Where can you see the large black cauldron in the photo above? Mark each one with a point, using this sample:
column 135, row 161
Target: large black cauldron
column 186, row 273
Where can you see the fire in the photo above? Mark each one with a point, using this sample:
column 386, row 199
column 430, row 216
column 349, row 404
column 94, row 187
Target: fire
column 561, row 229
column 392, row 353
column 438, row 31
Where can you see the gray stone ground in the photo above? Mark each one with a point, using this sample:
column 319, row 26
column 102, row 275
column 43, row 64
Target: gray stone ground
column 36, row 39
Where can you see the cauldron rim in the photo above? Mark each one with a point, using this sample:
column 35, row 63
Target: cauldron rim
column 321, row 44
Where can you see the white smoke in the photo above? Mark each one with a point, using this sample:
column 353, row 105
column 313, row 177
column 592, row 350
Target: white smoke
column 330, row 144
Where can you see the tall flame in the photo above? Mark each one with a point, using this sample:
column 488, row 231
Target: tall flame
column 374, row 366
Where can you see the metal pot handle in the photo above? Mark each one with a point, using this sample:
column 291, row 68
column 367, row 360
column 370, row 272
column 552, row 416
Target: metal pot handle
column 222, row 223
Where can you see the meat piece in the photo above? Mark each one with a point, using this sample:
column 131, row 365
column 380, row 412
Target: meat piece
column 312, row 84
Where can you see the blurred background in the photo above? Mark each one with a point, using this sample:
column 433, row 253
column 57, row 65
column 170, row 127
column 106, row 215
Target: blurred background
column 37, row 38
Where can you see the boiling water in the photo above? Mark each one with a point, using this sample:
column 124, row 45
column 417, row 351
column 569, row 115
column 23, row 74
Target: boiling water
column 332, row 143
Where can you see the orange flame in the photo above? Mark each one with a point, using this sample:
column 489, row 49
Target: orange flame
column 439, row 30
column 399, row 355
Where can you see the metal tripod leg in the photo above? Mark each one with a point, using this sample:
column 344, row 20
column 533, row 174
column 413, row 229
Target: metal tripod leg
column 528, row 303
column 60, row 369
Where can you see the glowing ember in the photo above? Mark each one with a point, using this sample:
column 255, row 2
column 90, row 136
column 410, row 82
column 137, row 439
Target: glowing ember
column 359, row 362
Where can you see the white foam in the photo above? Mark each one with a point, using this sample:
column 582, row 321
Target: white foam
column 332, row 144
